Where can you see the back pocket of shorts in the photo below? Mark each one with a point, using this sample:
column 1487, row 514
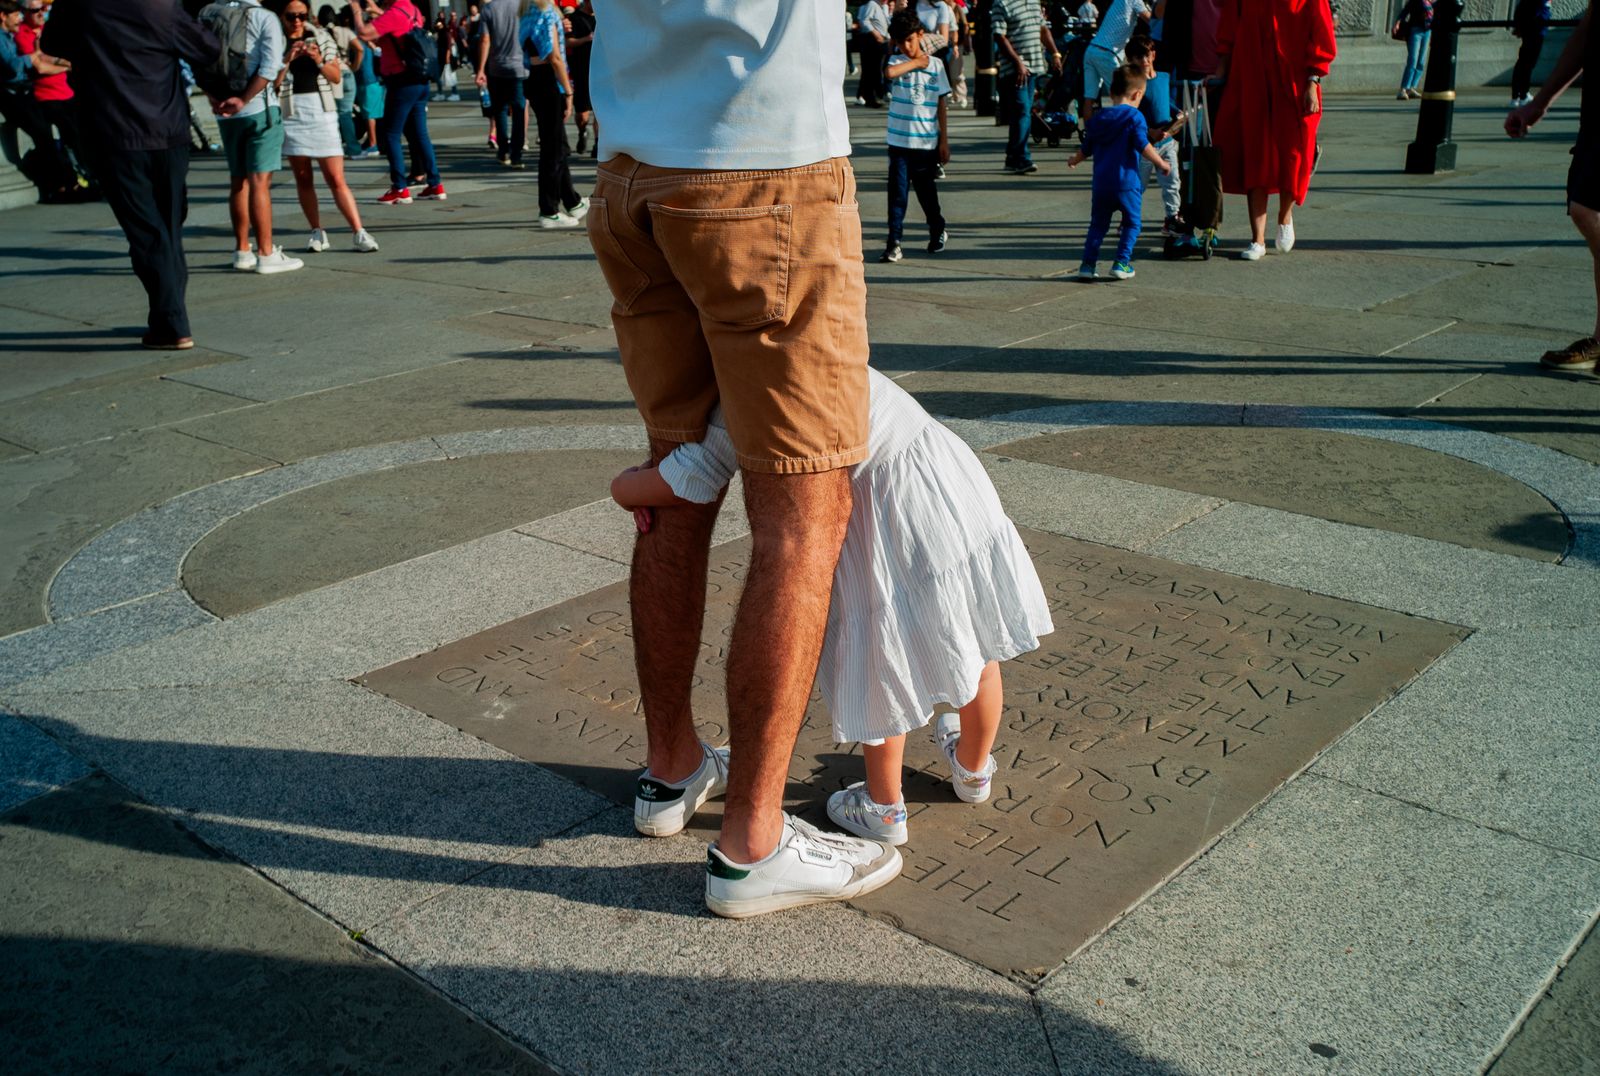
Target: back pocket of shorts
column 734, row 263
column 625, row 279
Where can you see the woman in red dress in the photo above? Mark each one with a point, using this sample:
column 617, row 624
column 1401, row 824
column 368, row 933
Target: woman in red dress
column 1273, row 55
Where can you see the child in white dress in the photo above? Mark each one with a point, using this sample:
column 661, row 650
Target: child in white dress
column 933, row 590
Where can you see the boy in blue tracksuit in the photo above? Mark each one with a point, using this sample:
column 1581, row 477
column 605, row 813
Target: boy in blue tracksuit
column 1116, row 138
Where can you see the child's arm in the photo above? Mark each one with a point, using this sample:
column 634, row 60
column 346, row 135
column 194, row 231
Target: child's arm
column 643, row 487
column 1077, row 158
column 1149, row 153
column 944, row 129
column 896, row 70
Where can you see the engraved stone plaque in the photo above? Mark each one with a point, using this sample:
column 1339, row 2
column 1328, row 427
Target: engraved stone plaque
column 1169, row 702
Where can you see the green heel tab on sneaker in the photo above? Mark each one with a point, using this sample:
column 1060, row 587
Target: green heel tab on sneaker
column 718, row 867
column 652, row 791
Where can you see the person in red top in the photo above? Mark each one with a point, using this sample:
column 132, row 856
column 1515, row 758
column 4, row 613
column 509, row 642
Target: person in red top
column 405, row 97
column 1273, row 55
column 50, row 88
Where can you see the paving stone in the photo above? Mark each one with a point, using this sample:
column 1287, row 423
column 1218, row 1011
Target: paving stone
column 1397, row 571
column 1167, row 703
column 1563, row 1033
column 1511, row 348
column 1292, row 324
column 1500, row 731
column 51, row 504
column 143, row 554
column 199, row 965
column 32, row 764
column 90, row 414
column 240, row 566
column 909, row 335
column 1547, row 409
column 35, row 345
column 1333, row 929
column 343, row 630
column 1103, row 364
column 1355, row 480
column 39, row 651
column 526, row 388
column 541, row 438
column 604, row 915
column 1096, row 508
column 1418, row 235
column 358, row 806
column 1493, row 293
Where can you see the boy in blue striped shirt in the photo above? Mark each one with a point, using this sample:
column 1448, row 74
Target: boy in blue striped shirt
column 919, row 133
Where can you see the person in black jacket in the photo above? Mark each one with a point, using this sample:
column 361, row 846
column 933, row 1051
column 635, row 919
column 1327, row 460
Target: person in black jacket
column 134, row 111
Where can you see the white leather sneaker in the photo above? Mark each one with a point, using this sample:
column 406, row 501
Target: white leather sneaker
column 318, row 241
column 808, row 867
column 277, row 262
column 970, row 786
column 853, row 809
column 363, row 243
column 1285, row 240
column 1253, row 253
column 661, row 809
column 244, row 261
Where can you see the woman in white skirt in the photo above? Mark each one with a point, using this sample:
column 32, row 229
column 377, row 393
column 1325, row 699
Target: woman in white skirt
column 933, row 590
column 311, row 122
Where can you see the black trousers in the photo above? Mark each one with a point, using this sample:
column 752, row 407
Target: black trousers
column 48, row 169
column 148, row 191
column 556, row 191
column 871, row 88
column 1527, row 60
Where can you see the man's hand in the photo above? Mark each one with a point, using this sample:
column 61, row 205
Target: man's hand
column 1311, row 100
column 1055, row 63
column 1519, row 120
column 1023, row 74
column 230, row 107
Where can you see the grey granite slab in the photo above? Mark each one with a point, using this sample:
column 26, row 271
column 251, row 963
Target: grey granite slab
column 91, row 413
column 1334, row 930
column 1562, row 1034
column 1501, row 731
column 1096, row 508
column 42, row 650
column 541, row 438
column 606, row 920
column 1499, row 294
column 356, row 804
column 130, row 946
column 341, row 630
column 32, row 763
column 1394, row 571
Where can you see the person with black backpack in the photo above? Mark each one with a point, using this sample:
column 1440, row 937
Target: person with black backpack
column 134, row 114
column 407, row 62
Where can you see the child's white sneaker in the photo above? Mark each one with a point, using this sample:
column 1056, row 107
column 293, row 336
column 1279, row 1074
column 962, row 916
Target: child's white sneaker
column 1285, row 239
column 854, row 809
column 1253, row 253
column 661, row 809
column 808, row 867
column 970, row 786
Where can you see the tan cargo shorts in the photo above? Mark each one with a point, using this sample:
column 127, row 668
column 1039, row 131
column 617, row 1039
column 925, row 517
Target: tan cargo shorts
column 746, row 288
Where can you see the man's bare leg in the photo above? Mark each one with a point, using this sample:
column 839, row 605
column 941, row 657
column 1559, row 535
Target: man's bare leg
column 1588, row 223
column 797, row 523
column 667, row 590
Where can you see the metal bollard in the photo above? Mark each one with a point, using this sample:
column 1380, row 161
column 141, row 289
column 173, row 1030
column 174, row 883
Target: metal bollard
column 1433, row 151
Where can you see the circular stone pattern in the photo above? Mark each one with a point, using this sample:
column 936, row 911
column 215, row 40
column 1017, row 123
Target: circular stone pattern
column 1336, row 476
column 355, row 525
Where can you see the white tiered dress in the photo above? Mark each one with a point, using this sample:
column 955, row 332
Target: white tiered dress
column 933, row 582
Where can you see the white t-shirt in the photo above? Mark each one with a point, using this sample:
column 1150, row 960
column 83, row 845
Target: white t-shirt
column 723, row 84
column 934, row 15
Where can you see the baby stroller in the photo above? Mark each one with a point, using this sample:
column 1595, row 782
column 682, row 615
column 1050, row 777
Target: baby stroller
column 1202, row 180
column 1055, row 111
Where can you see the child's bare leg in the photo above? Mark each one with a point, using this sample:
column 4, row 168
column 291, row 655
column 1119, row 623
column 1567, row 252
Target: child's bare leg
column 980, row 722
column 884, row 764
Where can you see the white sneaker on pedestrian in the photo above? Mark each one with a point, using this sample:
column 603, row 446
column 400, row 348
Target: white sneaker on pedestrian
column 244, row 261
column 579, row 211
column 1253, row 253
column 277, row 262
column 808, row 867
column 364, row 243
column 971, row 786
column 558, row 220
column 318, row 241
column 661, row 809
column 1285, row 240
column 855, row 810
